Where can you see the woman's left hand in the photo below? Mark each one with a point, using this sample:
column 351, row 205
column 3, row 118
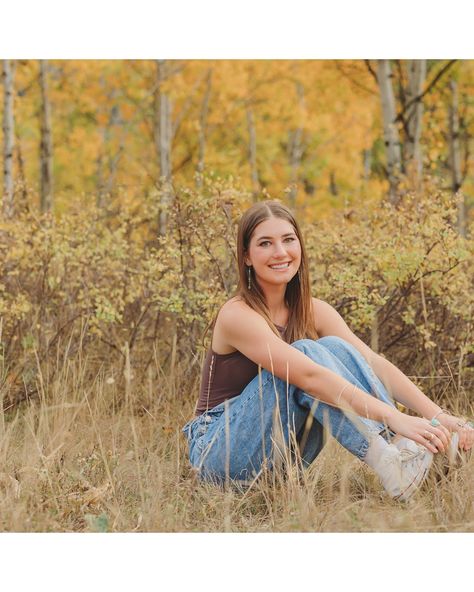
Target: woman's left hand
column 459, row 425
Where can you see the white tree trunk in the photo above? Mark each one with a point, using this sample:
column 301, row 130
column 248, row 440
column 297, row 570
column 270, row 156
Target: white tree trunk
column 107, row 164
column 46, row 146
column 455, row 154
column 252, row 153
column 390, row 131
column 8, row 137
column 295, row 147
column 203, row 129
column 163, row 134
column 333, row 190
column 21, row 201
column 414, row 114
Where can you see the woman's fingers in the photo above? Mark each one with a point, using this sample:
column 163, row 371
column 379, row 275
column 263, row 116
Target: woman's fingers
column 466, row 438
column 445, row 431
column 470, row 438
column 426, row 442
column 438, row 436
column 438, row 440
column 443, row 435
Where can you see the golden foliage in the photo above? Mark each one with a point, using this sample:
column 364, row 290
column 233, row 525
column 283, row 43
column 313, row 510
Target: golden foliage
column 98, row 281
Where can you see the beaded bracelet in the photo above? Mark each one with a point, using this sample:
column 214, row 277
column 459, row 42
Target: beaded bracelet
column 439, row 413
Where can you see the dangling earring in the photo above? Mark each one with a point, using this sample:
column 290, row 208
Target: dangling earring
column 249, row 274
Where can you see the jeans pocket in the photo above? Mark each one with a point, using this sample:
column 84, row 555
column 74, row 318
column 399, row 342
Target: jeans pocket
column 199, row 430
column 186, row 429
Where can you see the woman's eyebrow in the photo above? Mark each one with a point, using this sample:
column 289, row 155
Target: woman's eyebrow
column 282, row 236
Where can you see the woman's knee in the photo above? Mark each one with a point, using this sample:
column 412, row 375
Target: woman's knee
column 326, row 349
column 333, row 341
column 303, row 344
column 330, row 341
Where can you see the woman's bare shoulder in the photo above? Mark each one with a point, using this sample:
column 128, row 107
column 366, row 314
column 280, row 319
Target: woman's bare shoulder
column 232, row 312
column 233, row 309
column 321, row 309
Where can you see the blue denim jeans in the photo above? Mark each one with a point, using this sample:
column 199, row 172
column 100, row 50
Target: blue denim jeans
column 271, row 418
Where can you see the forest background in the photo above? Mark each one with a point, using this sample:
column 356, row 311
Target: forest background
column 122, row 185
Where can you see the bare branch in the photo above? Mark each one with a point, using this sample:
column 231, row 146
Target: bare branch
column 443, row 70
column 353, row 80
column 371, row 70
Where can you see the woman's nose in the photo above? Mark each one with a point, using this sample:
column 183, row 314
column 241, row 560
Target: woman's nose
column 280, row 249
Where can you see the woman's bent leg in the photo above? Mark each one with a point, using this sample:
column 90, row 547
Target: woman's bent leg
column 245, row 435
column 343, row 359
column 251, row 431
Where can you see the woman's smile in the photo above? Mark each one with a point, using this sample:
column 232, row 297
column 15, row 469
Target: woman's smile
column 280, row 266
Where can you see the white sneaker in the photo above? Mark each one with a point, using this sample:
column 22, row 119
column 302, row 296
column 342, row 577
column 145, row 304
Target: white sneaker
column 406, row 444
column 402, row 471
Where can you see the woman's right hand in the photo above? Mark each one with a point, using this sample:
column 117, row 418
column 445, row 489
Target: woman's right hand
column 459, row 425
column 420, row 430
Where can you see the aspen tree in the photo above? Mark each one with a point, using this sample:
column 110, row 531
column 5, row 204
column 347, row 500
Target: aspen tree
column 295, row 145
column 333, row 190
column 46, row 145
column 163, row 133
column 455, row 154
column 413, row 117
column 252, row 152
column 203, row 129
column 107, row 165
column 8, row 137
column 367, row 163
column 390, row 131
column 22, row 196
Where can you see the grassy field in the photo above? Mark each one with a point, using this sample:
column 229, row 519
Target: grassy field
column 100, row 449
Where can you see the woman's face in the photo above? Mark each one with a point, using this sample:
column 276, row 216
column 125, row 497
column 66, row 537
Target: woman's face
column 274, row 252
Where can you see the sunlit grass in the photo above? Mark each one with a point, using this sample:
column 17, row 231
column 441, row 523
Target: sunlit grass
column 101, row 449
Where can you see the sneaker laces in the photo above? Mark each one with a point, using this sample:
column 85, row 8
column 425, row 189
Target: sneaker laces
column 402, row 461
column 408, row 456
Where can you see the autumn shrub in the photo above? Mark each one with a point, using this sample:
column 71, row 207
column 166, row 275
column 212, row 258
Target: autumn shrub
column 403, row 279
column 103, row 284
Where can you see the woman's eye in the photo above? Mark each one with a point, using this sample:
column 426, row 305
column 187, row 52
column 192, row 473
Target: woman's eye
column 287, row 239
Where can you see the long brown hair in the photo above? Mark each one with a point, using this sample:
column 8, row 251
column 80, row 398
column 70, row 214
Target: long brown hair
column 298, row 291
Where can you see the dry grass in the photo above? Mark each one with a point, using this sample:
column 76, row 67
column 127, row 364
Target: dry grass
column 95, row 455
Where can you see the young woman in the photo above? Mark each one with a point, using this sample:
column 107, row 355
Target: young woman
column 283, row 366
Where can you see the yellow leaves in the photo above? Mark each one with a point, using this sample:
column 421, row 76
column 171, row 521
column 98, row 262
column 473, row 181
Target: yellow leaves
column 102, row 105
column 408, row 315
column 373, row 263
column 90, row 273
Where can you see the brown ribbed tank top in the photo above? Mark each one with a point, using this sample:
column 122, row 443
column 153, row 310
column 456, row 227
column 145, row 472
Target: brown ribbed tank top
column 225, row 376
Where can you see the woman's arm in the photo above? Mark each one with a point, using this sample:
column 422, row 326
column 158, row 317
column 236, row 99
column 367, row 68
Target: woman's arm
column 247, row 331
column 403, row 389
column 329, row 322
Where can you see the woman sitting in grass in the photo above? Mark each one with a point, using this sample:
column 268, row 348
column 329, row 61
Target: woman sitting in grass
column 283, row 364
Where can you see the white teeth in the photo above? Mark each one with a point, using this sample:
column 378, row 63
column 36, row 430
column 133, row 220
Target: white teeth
column 280, row 266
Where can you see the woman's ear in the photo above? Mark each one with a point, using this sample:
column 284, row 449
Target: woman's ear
column 247, row 260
